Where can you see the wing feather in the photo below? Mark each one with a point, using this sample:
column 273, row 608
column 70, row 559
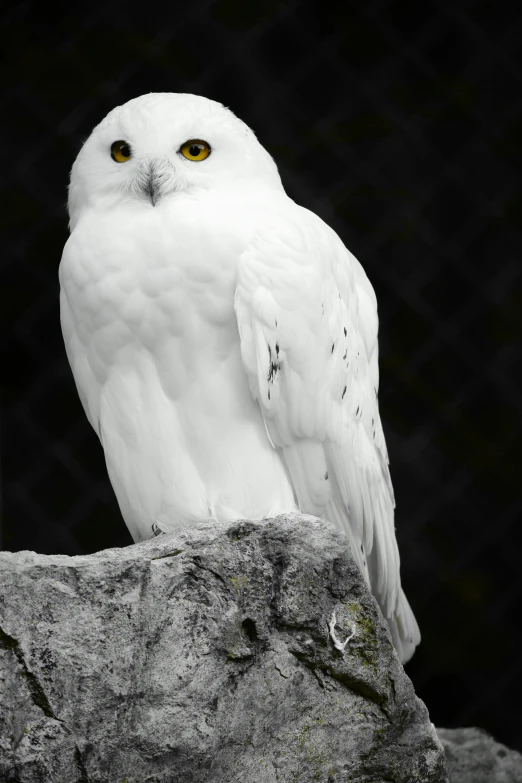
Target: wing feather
column 307, row 318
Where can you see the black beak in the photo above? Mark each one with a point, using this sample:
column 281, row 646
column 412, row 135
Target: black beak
column 155, row 179
column 151, row 187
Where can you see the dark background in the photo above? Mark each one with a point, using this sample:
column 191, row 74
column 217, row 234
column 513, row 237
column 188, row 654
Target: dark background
column 397, row 122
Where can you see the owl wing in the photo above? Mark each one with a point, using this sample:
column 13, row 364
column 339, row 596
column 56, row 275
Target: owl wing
column 307, row 319
column 87, row 385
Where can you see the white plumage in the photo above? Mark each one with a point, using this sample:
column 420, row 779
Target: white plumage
column 222, row 338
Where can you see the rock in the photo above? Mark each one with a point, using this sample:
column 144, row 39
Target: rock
column 204, row 656
column 473, row 756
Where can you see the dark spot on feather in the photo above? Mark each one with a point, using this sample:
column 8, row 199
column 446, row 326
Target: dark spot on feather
column 362, row 550
column 345, row 332
column 344, row 357
column 273, row 367
column 277, row 349
column 326, row 476
column 333, row 346
column 269, row 394
column 344, row 392
column 357, row 411
column 276, row 322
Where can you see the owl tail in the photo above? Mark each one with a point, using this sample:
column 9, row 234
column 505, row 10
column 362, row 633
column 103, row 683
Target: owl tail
column 404, row 629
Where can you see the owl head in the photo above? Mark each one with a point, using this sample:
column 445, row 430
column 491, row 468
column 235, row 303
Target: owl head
column 165, row 145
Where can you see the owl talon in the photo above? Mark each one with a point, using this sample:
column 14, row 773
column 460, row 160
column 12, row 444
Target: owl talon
column 156, row 531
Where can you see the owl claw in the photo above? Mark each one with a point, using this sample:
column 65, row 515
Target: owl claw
column 156, row 531
column 336, row 642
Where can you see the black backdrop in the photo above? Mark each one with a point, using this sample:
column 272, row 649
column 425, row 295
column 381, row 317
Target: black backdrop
column 394, row 120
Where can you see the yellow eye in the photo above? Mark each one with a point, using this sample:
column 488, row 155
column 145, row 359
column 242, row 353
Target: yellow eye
column 195, row 149
column 120, row 151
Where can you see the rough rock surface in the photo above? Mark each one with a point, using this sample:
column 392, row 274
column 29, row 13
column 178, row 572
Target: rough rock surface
column 205, row 656
column 473, row 756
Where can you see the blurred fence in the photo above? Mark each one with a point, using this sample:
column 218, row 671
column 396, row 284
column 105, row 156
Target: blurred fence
column 399, row 124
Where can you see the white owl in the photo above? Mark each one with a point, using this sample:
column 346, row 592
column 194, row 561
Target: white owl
column 222, row 338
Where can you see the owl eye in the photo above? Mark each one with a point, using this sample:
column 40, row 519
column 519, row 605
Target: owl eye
column 120, row 151
column 195, row 149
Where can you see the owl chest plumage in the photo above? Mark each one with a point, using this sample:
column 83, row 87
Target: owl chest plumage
column 152, row 338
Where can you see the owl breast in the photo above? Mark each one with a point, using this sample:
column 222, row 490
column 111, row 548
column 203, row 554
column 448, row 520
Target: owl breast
column 151, row 334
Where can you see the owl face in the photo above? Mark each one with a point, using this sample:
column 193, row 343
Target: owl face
column 162, row 145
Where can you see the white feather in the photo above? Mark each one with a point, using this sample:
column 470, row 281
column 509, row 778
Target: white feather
column 224, row 341
column 321, row 406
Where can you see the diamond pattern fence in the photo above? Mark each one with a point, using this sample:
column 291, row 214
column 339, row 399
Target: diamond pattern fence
column 398, row 123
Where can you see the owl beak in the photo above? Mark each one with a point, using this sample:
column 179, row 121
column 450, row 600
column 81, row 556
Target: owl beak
column 155, row 180
column 151, row 187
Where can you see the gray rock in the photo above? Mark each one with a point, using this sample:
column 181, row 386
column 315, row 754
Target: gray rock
column 205, row 656
column 473, row 756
